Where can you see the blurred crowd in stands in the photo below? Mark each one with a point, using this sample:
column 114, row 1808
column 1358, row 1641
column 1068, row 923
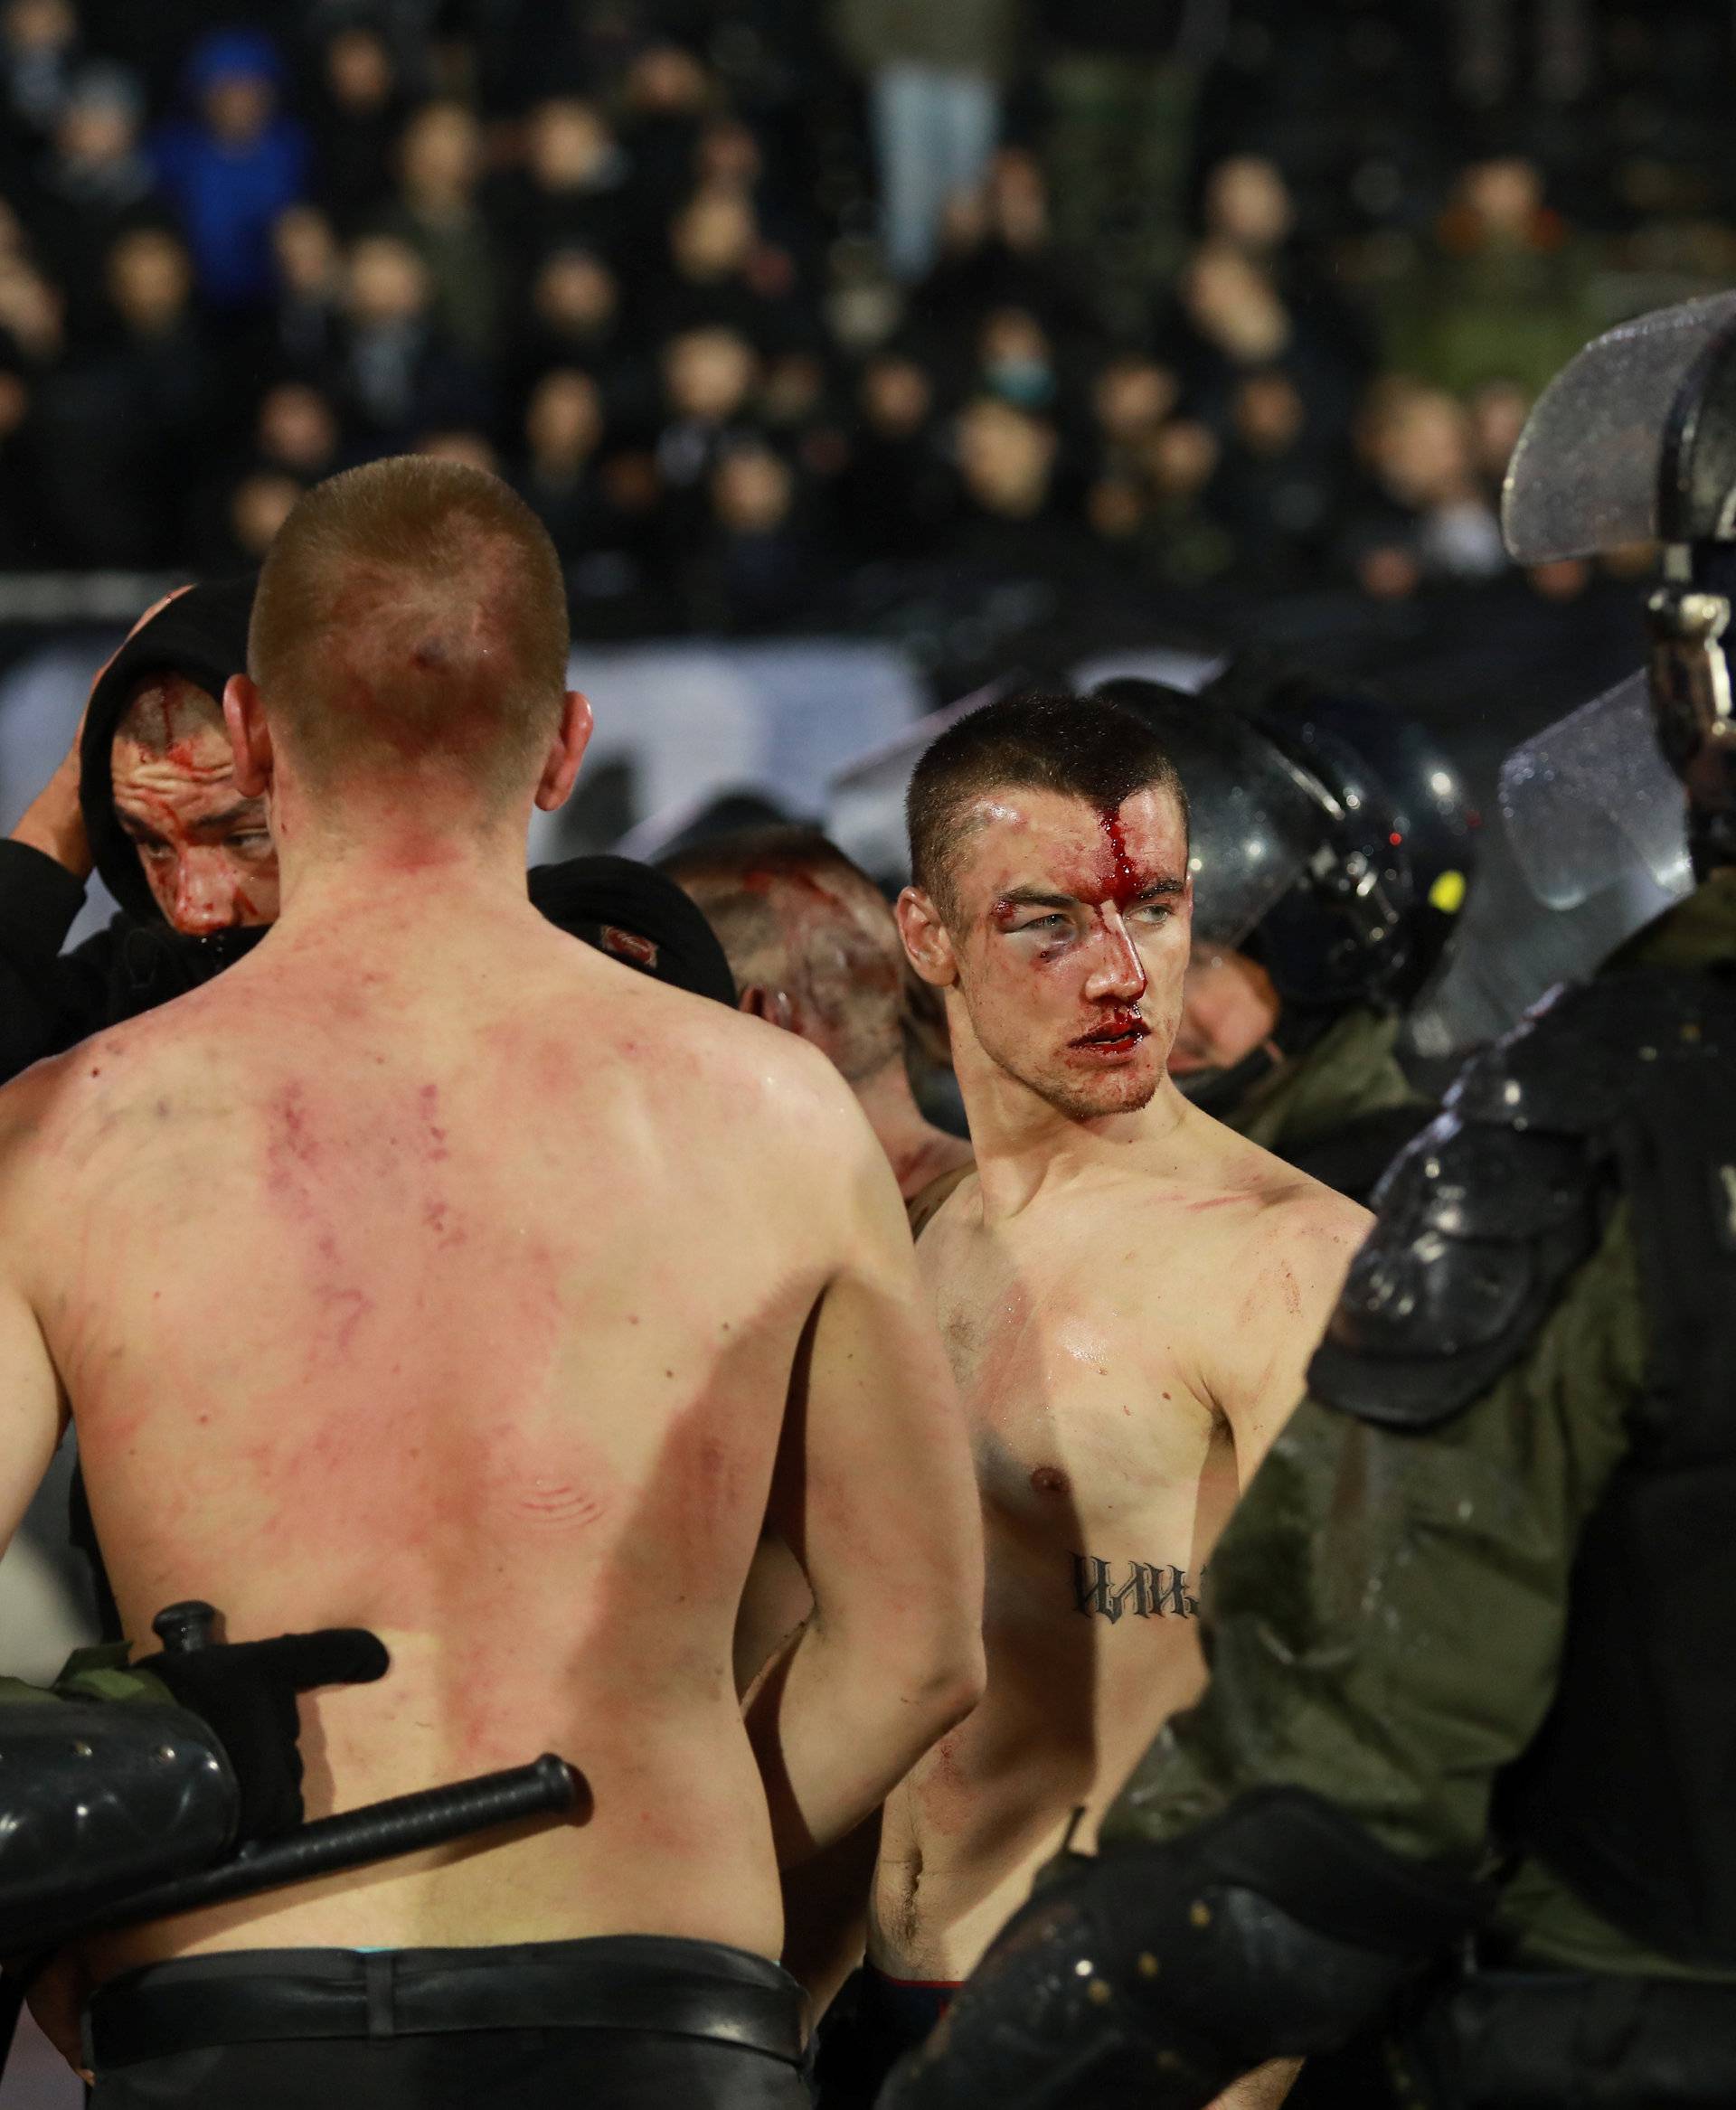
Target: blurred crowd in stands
column 758, row 302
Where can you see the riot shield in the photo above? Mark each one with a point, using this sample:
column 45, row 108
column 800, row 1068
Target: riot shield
column 1591, row 468
column 1590, row 802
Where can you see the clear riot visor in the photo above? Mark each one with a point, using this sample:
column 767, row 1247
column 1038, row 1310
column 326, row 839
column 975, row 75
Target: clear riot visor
column 1585, row 475
column 1590, row 802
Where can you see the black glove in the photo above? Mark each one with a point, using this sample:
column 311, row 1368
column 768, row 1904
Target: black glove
column 1149, row 1977
column 246, row 1692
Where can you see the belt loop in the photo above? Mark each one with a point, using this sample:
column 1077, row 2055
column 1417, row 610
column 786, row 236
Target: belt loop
column 379, row 1968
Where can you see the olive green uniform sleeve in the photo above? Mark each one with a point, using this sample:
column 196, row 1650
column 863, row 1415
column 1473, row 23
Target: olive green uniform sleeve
column 1352, row 1071
column 1386, row 1609
column 99, row 1672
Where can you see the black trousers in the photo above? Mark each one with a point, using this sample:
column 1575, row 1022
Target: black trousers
column 868, row 2029
column 626, row 2022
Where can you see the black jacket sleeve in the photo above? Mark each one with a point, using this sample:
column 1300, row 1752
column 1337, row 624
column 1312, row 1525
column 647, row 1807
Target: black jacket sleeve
column 48, row 1000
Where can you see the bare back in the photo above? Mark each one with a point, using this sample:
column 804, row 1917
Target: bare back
column 451, row 1289
column 1126, row 1347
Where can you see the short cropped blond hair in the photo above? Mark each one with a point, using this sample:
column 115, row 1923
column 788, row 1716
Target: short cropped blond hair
column 412, row 616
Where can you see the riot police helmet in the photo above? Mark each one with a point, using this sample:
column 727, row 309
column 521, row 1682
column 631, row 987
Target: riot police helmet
column 1427, row 801
column 1295, row 852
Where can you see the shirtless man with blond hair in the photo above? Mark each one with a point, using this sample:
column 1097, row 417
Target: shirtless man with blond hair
column 431, row 1273
column 1129, row 1290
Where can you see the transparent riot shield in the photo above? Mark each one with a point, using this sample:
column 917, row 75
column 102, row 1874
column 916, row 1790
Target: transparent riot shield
column 1589, row 803
column 1586, row 473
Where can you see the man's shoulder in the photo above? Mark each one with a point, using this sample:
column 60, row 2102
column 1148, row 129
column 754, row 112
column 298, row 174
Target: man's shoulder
column 1281, row 1202
column 759, row 1095
column 772, row 1064
column 1302, row 1239
column 46, row 1113
column 43, row 1108
column 1300, row 1206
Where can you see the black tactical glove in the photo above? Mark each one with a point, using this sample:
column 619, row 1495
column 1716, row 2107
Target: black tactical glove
column 246, row 1693
column 1151, row 1976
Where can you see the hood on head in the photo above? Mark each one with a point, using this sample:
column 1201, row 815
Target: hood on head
column 231, row 54
column 201, row 635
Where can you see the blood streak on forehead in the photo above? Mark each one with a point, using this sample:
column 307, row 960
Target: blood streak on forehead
column 1097, row 856
column 168, row 714
column 1124, row 883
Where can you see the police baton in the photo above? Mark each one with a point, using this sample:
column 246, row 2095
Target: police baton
column 377, row 1832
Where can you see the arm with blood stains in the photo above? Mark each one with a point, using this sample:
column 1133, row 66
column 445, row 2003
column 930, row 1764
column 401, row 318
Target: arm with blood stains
column 1292, row 1274
column 875, row 1495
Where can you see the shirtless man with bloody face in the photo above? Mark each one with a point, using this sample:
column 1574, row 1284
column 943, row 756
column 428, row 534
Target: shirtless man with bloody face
column 1129, row 1292
column 431, row 1273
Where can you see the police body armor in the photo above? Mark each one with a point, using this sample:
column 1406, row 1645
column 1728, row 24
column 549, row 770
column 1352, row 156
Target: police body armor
column 1618, row 1091
column 1628, row 1791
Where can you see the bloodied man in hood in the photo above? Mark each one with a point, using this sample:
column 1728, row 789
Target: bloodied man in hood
column 205, row 847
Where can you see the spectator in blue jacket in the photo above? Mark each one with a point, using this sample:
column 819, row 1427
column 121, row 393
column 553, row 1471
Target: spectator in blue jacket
column 234, row 166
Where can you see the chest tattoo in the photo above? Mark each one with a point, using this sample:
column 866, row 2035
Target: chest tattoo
column 1149, row 1590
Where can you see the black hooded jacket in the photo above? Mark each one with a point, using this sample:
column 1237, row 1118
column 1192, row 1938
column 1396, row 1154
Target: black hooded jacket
column 49, row 1001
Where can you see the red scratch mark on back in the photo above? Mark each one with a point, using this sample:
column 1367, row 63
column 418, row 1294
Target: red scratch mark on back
column 429, row 1097
column 561, row 1506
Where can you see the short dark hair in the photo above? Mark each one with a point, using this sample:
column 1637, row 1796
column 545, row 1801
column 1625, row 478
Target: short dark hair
column 1048, row 740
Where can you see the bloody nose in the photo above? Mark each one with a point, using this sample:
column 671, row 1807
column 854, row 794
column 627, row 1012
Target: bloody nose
column 204, row 897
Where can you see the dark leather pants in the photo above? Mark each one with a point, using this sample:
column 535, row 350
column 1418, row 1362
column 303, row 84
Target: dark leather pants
column 622, row 2023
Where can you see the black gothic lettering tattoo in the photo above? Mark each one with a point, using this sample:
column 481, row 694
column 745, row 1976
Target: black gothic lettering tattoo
column 1150, row 1588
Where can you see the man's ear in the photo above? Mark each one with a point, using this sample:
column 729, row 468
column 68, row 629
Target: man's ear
column 249, row 737
column 927, row 940
column 773, row 1005
column 566, row 751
